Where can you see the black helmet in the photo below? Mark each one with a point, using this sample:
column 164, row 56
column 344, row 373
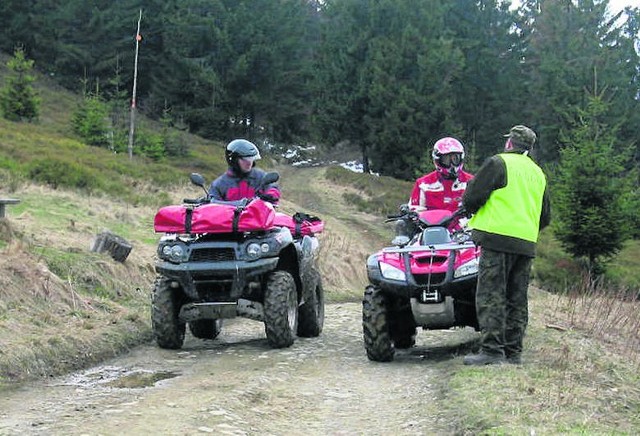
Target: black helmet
column 240, row 149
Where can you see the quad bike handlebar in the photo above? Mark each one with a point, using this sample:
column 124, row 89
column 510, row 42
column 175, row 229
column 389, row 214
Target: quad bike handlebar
column 408, row 214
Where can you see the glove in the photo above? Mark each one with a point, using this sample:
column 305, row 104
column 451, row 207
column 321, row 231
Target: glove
column 463, row 213
column 267, row 197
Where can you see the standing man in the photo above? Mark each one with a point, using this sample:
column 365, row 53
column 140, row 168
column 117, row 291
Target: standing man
column 509, row 201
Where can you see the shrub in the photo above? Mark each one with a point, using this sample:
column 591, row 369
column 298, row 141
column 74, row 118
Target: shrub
column 56, row 173
column 91, row 122
column 150, row 144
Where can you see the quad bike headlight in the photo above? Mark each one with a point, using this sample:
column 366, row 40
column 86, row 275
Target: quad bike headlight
column 174, row 253
column 253, row 250
column 256, row 250
column 391, row 272
column 467, row 269
column 178, row 253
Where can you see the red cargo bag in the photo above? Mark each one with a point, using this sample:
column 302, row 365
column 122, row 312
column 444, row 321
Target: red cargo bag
column 299, row 223
column 253, row 215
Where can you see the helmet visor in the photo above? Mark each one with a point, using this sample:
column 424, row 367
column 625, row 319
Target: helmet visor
column 451, row 159
column 250, row 158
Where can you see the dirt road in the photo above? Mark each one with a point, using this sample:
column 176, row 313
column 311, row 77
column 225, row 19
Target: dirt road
column 237, row 385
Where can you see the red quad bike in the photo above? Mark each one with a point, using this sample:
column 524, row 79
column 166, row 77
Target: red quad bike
column 224, row 259
column 426, row 281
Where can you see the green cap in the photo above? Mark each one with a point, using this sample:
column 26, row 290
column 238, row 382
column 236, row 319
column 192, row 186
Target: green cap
column 522, row 136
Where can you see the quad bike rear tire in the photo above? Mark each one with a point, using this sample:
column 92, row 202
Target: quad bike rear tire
column 167, row 328
column 375, row 326
column 280, row 309
column 311, row 313
column 205, row 328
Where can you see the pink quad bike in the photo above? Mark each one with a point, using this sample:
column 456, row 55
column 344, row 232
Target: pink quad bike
column 224, row 259
column 427, row 280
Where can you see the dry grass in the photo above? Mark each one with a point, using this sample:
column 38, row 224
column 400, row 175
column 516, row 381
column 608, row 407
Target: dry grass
column 606, row 314
column 62, row 306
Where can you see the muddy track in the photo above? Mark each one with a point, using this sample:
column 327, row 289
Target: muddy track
column 237, row 385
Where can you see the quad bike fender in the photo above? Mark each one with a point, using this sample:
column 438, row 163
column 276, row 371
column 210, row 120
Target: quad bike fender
column 300, row 259
column 307, row 250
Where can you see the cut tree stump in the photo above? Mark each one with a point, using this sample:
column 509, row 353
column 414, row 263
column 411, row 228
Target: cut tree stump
column 115, row 245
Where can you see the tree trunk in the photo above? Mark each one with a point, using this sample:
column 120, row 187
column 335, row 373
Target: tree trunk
column 365, row 160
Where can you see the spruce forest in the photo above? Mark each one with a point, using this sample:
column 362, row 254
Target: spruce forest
column 386, row 77
column 390, row 76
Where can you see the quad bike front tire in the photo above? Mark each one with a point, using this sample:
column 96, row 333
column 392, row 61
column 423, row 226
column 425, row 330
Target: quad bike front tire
column 168, row 330
column 375, row 326
column 280, row 309
column 402, row 329
column 311, row 313
column 205, row 328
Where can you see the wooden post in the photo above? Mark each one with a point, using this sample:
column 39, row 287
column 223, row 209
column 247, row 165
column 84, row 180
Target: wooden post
column 133, row 97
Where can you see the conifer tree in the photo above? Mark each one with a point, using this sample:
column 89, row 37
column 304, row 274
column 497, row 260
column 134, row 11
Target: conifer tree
column 592, row 184
column 18, row 99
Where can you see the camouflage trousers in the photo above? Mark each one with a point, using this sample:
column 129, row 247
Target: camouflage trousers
column 501, row 301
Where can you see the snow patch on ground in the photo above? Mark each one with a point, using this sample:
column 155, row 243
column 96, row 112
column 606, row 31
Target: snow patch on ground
column 311, row 156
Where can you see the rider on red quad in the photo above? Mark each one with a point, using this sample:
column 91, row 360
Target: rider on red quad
column 242, row 179
column 442, row 188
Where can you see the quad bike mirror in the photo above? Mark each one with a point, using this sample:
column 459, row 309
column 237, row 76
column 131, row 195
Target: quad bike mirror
column 198, row 180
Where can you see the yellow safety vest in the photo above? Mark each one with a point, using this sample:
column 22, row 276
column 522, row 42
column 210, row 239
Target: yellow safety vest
column 515, row 209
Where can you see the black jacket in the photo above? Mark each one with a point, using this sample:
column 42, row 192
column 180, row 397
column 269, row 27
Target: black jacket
column 492, row 175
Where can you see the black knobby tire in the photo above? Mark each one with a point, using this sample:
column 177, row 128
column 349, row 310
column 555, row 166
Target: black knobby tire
column 375, row 326
column 402, row 329
column 280, row 309
column 311, row 313
column 168, row 330
column 206, row 328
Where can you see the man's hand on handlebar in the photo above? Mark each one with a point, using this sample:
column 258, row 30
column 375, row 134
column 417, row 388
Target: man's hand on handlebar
column 267, row 197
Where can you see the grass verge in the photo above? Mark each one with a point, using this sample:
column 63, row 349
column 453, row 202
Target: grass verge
column 571, row 381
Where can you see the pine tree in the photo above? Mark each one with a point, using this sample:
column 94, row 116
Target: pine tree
column 18, row 99
column 590, row 188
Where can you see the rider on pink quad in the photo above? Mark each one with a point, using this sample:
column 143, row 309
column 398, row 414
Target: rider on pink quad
column 442, row 188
